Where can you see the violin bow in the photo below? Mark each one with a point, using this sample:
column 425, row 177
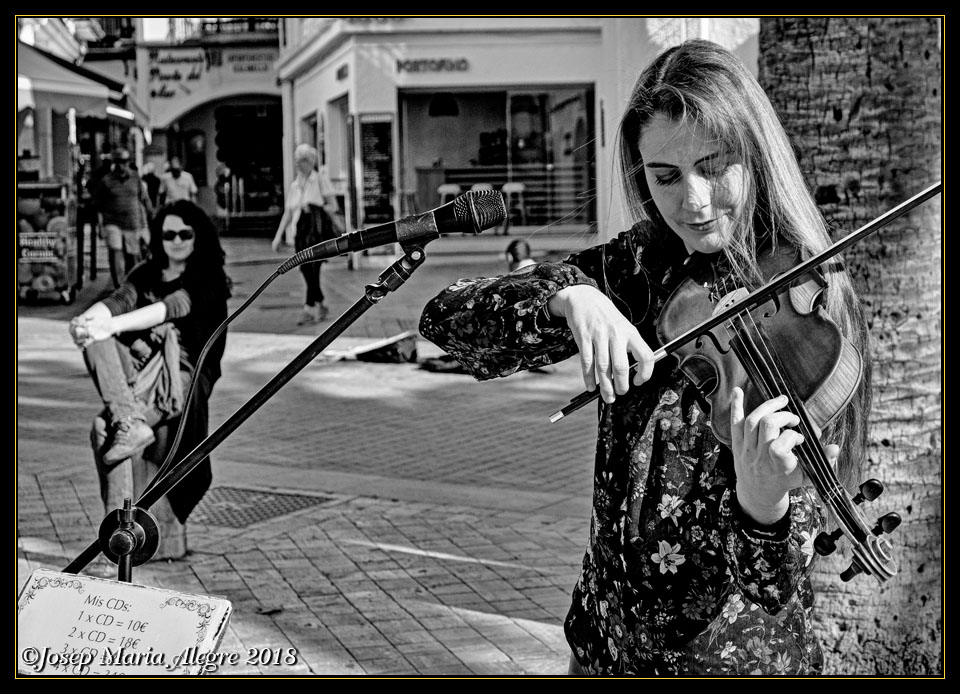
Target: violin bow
column 762, row 294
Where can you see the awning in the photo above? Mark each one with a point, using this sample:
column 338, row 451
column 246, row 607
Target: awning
column 64, row 85
column 56, row 84
column 136, row 111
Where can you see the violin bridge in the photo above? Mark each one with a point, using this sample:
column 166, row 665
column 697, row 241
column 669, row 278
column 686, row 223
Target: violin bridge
column 726, row 300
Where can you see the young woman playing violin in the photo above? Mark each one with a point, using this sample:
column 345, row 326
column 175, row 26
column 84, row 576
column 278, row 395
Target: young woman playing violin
column 699, row 553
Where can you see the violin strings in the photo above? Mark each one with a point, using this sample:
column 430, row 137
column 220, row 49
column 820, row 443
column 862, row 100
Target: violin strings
column 817, row 469
column 831, row 490
column 778, row 378
column 840, row 500
column 768, row 376
column 775, row 381
column 750, row 359
column 772, row 379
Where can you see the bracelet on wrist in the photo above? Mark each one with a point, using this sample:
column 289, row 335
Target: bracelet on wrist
column 777, row 530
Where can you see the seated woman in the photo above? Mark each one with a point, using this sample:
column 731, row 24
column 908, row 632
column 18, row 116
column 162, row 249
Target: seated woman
column 141, row 343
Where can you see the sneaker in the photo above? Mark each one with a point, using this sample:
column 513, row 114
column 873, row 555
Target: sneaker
column 101, row 568
column 322, row 312
column 130, row 436
column 308, row 316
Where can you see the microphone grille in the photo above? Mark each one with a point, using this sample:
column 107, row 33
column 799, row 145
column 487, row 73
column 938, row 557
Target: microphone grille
column 480, row 209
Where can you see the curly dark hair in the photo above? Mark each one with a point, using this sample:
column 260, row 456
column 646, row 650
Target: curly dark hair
column 205, row 265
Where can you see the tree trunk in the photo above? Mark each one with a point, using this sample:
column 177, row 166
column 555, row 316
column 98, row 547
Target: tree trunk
column 862, row 100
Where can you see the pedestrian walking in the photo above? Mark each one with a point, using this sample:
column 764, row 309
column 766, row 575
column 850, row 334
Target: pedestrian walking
column 310, row 215
column 177, row 184
column 120, row 200
column 152, row 181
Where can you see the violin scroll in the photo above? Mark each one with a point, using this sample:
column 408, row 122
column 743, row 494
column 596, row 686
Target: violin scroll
column 872, row 553
column 826, row 543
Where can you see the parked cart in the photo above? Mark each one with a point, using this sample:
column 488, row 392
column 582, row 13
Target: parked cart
column 48, row 260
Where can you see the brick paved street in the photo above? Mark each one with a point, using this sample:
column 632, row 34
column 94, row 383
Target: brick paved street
column 442, row 520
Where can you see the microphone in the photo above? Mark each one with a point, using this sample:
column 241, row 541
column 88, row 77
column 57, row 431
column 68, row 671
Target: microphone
column 471, row 213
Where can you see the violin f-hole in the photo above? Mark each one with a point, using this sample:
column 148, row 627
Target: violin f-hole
column 714, row 340
column 702, row 373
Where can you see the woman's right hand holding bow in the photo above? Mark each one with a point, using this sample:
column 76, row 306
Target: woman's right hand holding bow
column 605, row 338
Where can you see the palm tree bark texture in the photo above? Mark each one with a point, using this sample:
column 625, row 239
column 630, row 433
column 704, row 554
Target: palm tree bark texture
column 861, row 98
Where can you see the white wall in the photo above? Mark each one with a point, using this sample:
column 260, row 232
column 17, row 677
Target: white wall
column 629, row 45
column 154, row 28
column 311, row 93
column 178, row 79
column 608, row 53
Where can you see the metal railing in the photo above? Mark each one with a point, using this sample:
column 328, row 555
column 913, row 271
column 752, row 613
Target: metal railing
column 561, row 193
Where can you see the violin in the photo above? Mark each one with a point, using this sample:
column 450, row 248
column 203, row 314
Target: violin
column 778, row 340
column 787, row 345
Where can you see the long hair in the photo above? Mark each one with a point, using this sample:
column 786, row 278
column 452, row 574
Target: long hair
column 204, row 271
column 701, row 83
column 204, row 278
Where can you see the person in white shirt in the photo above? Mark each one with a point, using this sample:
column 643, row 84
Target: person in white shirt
column 177, row 184
column 310, row 213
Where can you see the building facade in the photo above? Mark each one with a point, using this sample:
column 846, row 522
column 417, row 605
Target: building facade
column 75, row 100
column 405, row 109
column 210, row 88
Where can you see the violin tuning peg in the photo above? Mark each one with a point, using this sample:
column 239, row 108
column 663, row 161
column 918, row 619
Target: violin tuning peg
column 826, row 543
column 850, row 572
column 869, row 491
column 887, row 523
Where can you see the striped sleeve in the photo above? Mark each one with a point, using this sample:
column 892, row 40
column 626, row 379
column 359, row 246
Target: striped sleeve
column 178, row 304
column 123, row 299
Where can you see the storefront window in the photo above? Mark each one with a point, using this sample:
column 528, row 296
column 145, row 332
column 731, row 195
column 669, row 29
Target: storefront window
column 256, row 162
column 541, row 139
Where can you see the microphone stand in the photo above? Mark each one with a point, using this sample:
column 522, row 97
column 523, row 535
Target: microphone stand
column 389, row 280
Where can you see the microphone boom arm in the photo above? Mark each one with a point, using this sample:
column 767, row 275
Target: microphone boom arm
column 469, row 213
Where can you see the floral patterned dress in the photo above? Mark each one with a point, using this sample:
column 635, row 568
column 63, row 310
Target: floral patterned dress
column 676, row 579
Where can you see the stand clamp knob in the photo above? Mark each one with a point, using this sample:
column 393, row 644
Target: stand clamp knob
column 129, row 531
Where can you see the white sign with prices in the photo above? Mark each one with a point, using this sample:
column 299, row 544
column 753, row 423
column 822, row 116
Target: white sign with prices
column 81, row 625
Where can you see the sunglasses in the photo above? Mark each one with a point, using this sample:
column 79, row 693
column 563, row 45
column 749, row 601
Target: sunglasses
column 184, row 234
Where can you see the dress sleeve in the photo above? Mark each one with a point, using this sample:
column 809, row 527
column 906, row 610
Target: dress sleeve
column 497, row 326
column 769, row 562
